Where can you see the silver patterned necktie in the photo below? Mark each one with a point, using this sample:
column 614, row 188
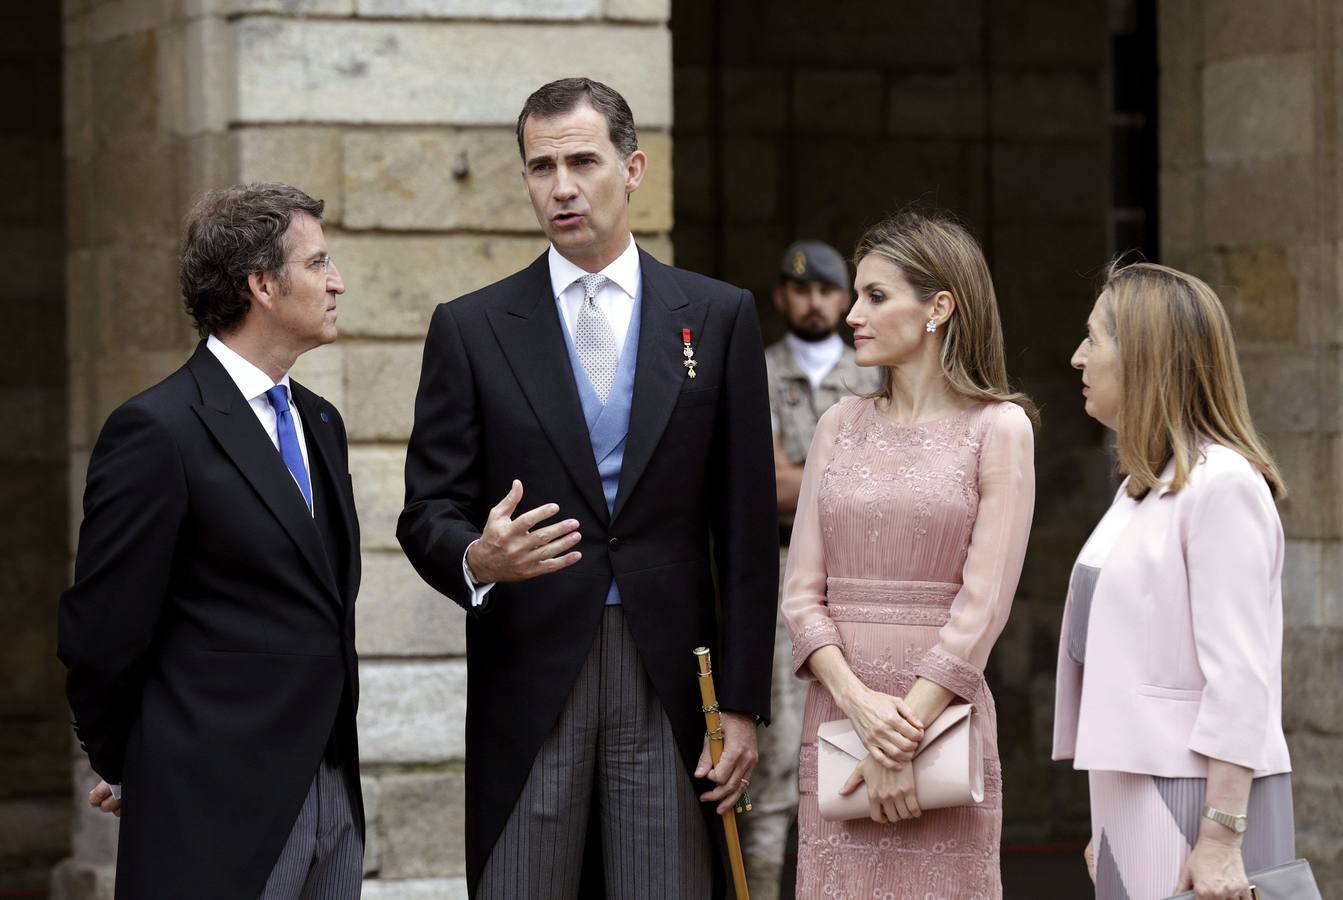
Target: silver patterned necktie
column 594, row 340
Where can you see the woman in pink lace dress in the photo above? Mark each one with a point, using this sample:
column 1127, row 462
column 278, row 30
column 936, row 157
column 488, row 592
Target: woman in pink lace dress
column 908, row 543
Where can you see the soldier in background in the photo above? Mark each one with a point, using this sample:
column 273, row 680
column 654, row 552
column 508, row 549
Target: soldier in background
column 810, row 369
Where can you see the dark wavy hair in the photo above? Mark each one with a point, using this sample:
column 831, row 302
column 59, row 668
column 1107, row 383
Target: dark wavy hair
column 232, row 233
column 563, row 96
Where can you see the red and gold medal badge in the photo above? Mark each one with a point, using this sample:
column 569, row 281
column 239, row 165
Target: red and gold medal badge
column 689, row 353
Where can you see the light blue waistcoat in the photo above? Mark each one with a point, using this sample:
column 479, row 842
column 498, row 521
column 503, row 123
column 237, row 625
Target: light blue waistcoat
column 609, row 425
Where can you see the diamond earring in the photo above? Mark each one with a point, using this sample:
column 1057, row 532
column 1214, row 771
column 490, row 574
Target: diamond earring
column 931, row 326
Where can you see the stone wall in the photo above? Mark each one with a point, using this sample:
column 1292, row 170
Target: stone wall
column 796, row 119
column 399, row 113
column 1250, row 201
column 34, row 817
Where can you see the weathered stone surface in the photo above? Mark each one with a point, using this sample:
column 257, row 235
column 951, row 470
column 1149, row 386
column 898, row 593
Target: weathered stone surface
column 379, row 491
column 1026, row 177
column 111, row 19
column 34, row 827
column 1258, row 287
column 286, row 7
column 380, row 382
column 1244, row 27
column 368, row 788
column 76, row 880
column 638, row 10
column 392, row 72
column 416, row 889
column 481, row 9
column 420, row 824
column 399, row 615
column 1182, row 209
column 1289, row 391
column 1267, row 201
column 139, row 306
column 1312, row 657
column 1068, row 104
column 412, row 712
column 322, row 371
column 1311, row 464
column 36, row 254
column 1180, row 115
column 134, row 198
column 1258, row 107
column 308, row 158
column 196, row 82
column 1301, row 583
column 393, row 283
column 1036, row 33
column 469, row 179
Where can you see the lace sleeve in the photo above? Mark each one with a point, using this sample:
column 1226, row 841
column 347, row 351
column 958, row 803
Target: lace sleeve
column 993, row 562
column 803, row 606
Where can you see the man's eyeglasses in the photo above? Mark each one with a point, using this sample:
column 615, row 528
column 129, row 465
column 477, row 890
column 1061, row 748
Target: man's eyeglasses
column 319, row 264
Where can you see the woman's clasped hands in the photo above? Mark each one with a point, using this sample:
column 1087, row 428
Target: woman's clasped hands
column 891, row 732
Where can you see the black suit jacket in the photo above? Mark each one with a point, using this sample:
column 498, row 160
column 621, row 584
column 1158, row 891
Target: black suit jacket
column 692, row 542
column 208, row 636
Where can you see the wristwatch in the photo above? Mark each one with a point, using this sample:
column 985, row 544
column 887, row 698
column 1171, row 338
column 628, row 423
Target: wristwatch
column 1238, row 824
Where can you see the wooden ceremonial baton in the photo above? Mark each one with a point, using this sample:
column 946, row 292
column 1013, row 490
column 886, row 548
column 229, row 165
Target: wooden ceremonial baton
column 713, row 724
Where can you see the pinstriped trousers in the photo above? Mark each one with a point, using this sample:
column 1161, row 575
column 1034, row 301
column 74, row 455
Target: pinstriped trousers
column 612, row 737
column 323, row 859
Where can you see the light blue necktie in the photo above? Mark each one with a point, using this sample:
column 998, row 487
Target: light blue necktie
column 289, row 449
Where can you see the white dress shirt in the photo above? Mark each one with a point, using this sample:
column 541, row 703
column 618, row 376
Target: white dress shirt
column 254, row 383
column 816, row 358
column 615, row 299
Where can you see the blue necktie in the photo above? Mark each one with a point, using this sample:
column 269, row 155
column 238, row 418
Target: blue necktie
column 289, row 450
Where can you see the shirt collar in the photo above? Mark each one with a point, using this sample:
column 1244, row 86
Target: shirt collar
column 624, row 271
column 250, row 380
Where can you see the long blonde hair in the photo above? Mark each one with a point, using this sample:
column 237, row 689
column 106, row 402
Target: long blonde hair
column 1181, row 378
column 935, row 253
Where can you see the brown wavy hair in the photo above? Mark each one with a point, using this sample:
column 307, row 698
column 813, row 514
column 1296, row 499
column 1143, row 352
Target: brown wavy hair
column 936, row 253
column 1181, row 378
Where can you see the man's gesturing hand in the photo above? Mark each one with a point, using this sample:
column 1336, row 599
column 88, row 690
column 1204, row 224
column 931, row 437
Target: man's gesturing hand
column 509, row 550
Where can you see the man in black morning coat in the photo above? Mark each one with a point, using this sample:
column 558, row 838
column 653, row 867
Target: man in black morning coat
column 649, row 530
column 209, row 632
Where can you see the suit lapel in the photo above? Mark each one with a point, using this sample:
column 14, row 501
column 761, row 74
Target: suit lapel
column 317, row 423
column 229, row 418
column 659, row 373
column 528, row 327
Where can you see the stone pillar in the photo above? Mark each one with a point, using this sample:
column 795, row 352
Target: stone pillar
column 1250, row 153
column 34, row 815
column 399, row 113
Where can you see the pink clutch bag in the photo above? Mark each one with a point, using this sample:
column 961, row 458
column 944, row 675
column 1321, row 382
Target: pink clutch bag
column 948, row 766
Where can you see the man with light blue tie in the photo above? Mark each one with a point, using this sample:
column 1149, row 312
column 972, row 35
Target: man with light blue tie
column 627, row 399
column 209, row 632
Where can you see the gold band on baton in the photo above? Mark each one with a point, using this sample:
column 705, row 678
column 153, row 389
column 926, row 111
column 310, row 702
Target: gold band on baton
column 713, row 725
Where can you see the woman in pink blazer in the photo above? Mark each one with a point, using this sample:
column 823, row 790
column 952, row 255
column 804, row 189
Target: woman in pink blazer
column 1170, row 663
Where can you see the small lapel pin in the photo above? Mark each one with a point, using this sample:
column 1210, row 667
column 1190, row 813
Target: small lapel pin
column 689, row 353
column 326, row 418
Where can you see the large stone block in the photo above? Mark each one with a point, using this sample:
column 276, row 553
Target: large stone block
column 435, row 180
column 196, row 81
column 195, row 8
column 380, row 382
column 1311, row 464
column 1312, row 657
column 1266, row 201
column 392, row 72
column 1181, row 215
column 1180, row 115
column 139, row 306
column 420, row 824
column 125, row 78
column 1291, row 392
column 306, row 157
column 638, row 10
column 1259, row 289
column 754, row 182
column 935, row 104
column 322, row 371
column 412, row 712
column 393, row 282
column 399, row 615
column 35, row 254
column 469, row 179
column 1245, row 27
column 480, row 9
column 1258, row 107
column 111, row 19
column 34, row 827
column 1049, row 182
column 73, row 879
column 1054, row 31
column 368, row 789
column 1035, row 106
column 415, row 889
column 134, row 191
column 379, row 492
